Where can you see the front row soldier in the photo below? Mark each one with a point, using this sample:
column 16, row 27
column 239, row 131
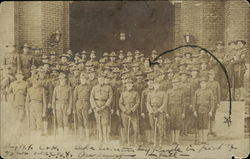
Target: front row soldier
column 203, row 104
column 175, row 110
column 81, row 105
column 19, row 90
column 62, row 104
column 36, row 106
column 129, row 103
column 100, row 100
column 156, row 110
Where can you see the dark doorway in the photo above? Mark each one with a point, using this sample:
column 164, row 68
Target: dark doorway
column 97, row 26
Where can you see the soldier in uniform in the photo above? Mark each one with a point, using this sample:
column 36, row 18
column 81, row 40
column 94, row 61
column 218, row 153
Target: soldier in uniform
column 120, row 57
column 203, row 105
column 64, row 64
column 156, row 109
column 186, row 88
column 239, row 69
column 101, row 99
column 26, row 61
column 19, row 90
column 6, row 79
column 62, row 104
column 129, row 104
column 36, row 107
column 145, row 124
column 175, row 109
column 12, row 58
column 153, row 55
column 215, row 87
column 93, row 60
column 84, row 56
column 82, row 106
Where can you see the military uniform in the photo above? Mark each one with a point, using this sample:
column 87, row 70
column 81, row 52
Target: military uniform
column 36, row 106
column 101, row 98
column 26, row 61
column 62, row 105
column 129, row 103
column 156, row 108
column 19, row 90
column 82, row 104
column 12, row 59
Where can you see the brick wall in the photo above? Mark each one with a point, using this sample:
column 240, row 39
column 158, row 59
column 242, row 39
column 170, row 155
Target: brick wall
column 212, row 23
column 237, row 20
column 55, row 16
column 177, row 29
column 29, row 22
column 7, row 29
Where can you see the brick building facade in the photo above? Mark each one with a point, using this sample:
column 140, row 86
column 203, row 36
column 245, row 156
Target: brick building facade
column 206, row 21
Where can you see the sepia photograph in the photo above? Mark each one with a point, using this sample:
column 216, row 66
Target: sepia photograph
column 125, row 79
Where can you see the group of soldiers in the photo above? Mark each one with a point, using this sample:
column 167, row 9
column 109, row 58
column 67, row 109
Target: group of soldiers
column 121, row 94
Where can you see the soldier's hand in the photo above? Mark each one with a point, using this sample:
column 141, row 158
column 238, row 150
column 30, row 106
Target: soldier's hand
column 195, row 114
column 90, row 111
column 143, row 115
column 118, row 113
column 69, row 111
column 183, row 116
column 210, row 114
column 44, row 114
column 49, row 105
column 167, row 116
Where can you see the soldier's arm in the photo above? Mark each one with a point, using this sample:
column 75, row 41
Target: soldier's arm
column 54, row 98
column 121, row 103
column 75, row 97
column 137, row 102
column 194, row 101
column 211, row 101
column 150, row 109
column 70, row 98
column 162, row 107
column 44, row 101
column 92, row 98
column 182, row 102
column 27, row 101
column 219, row 92
column 142, row 103
column 110, row 97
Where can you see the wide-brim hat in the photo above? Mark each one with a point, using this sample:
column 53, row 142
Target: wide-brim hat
column 243, row 42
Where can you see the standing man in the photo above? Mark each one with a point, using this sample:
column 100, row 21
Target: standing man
column 175, row 109
column 62, row 104
column 26, row 61
column 19, row 90
column 82, row 106
column 203, row 103
column 36, row 107
column 156, row 109
column 186, row 88
column 129, row 103
column 100, row 99
column 215, row 87
column 12, row 58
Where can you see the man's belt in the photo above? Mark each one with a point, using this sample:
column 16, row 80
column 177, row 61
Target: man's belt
column 101, row 99
column 36, row 100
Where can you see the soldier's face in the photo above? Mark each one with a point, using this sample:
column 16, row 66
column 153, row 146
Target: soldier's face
column 146, row 63
column 154, row 56
column 101, row 80
column 150, row 84
column 106, row 81
column 156, row 85
column 129, row 86
column 183, row 77
column 175, row 85
column 211, row 76
column 45, row 60
column 121, row 56
column 232, row 45
column 83, row 80
column 92, row 56
column 76, row 72
column 25, row 50
column 83, row 56
column 203, row 66
column 19, row 77
column 219, row 46
column 62, row 81
column 64, row 59
column 194, row 73
column 240, row 45
column 112, row 58
column 203, row 85
column 170, row 75
column 53, row 56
